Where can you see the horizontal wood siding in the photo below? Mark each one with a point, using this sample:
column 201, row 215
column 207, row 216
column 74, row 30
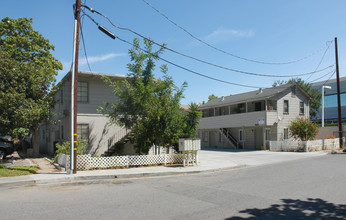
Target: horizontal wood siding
column 231, row 121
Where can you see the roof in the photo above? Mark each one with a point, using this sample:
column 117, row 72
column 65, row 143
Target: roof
column 94, row 74
column 251, row 96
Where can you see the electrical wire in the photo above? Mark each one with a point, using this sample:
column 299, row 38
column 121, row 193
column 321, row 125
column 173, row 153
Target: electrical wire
column 186, row 69
column 85, row 52
column 176, row 65
column 225, row 52
column 199, row 60
column 328, row 43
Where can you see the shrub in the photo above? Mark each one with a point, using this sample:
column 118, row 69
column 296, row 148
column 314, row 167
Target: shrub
column 64, row 148
column 329, row 137
column 303, row 129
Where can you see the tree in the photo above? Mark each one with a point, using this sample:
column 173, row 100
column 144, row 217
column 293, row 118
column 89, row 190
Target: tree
column 315, row 95
column 303, row 128
column 147, row 106
column 27, row 77
column 192, row 117
column 211, row 97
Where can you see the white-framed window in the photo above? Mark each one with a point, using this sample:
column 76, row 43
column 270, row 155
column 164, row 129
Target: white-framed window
column 286, row 107
column 285, row 133
column 301, row 108
column 83, row 92
column 241, row 135
column 268, row 134
column 83, row 132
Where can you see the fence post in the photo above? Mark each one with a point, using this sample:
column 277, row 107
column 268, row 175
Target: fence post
column 165, row 161
column 127, row 161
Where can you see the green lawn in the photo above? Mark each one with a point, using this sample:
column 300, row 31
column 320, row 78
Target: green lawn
column 17, row 170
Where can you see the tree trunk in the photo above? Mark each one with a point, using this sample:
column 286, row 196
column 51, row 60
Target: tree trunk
column 36, row 145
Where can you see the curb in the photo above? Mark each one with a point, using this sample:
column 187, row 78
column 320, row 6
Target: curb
column 75, row 179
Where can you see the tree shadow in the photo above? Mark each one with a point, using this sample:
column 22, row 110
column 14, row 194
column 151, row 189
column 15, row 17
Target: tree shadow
column 297, row 209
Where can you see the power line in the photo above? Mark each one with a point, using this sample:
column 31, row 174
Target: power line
column 199, row 60
column 331, row 72
column 186, row 69
column 328, row 45
column 85, row 52
column 181, row 67
column 223, row 51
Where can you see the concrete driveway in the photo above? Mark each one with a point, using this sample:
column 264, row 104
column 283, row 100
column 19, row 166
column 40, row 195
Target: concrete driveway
column 220, row 159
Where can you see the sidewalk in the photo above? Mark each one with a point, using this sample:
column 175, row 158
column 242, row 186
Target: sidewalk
column 209, row 161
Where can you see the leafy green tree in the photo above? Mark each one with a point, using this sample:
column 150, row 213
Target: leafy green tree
column 147, row 106
column 315, row 95
column 27, row 77
column 192, row 118
column 211, row 97
column 303, row 128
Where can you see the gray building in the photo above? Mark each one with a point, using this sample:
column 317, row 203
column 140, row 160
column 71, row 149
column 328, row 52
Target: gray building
column 92, row 126
column 330, row 100
column 250, row 120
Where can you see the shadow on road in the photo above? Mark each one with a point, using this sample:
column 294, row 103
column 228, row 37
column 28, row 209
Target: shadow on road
column 298, row 209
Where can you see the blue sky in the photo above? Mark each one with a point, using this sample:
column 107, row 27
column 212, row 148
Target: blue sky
column 273, row 31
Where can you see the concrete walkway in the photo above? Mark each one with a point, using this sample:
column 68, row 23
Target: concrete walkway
column 209, row 160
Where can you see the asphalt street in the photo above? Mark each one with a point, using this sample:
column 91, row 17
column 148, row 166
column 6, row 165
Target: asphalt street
column 310, row 188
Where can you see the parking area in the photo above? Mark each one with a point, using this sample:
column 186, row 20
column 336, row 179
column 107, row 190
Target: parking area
column 219, row 159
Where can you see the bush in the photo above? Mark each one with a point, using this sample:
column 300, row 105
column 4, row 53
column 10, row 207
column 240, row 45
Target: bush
column 329, row 137
column 65, row 148
column 303, row 129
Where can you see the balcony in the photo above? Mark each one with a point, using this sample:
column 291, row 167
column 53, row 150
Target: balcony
column 239, row 115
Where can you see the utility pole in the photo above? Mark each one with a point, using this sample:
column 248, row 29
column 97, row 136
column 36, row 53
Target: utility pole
column 338, row 91
column 74, row 86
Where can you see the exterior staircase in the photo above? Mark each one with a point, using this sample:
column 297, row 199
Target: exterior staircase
column 232, row 140
column 117, row 147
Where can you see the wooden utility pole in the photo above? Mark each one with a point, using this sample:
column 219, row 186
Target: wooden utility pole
column 338, row 91
column 74, row 86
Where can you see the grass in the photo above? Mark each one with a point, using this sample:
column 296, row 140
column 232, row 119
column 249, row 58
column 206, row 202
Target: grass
column 17, row 170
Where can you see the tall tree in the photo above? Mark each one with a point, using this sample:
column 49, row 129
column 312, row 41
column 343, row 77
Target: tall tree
column 315, row 95
column 147, row 106
column 27, row 76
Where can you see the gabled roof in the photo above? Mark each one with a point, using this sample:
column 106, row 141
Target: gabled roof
column 94, row 74
column 256, row 95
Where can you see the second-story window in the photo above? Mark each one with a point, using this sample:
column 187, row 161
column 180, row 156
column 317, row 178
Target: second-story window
column 286, row 107
column 301, row 108
column 82, row 91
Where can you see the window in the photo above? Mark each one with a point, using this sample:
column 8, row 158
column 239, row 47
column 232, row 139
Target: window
column 83, row 132
column 286, row 107
column 301, row 108
column 241, row 135
column 285, row 133
column 268, row 134
column 82, row 92
column 211, row 112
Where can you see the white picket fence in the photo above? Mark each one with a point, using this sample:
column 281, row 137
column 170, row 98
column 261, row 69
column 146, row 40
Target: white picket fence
column 294, row 145
column 87, row 162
